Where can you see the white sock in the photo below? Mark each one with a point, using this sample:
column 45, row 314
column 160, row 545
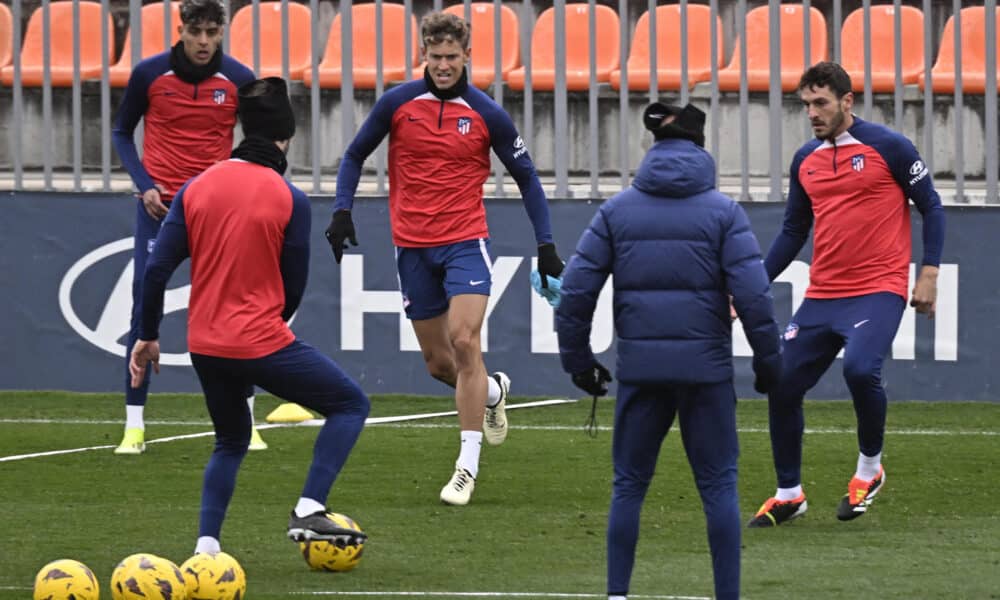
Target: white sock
column 468, row 458
column 492, row 391
column 207, row 545
column 250, row 400
column 307, row 506
column 786, row 494
column 133, row 417
column 617, row 598
column 868, row 466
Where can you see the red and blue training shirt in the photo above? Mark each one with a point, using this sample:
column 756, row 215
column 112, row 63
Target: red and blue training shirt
column 246, row 230
column 187, row 127
column 855, row 188
column 439, row 159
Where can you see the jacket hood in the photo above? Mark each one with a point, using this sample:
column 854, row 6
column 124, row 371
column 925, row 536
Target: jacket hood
column 675, row 168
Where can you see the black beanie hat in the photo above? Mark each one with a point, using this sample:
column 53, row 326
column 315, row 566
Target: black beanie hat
column 265, row 110
column 688, row 124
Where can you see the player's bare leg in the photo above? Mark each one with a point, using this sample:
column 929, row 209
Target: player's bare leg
column 465, row 322
column 452, row 352
column 435, row 344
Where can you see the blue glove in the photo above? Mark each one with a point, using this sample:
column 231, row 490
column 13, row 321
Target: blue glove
column 552, row 293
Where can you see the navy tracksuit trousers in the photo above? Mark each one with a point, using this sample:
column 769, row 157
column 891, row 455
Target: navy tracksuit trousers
column 643, row 416
column 298, row 373
column 146, row 228
column 864, row 326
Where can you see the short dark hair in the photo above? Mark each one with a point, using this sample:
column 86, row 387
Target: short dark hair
column 202, row 11
column 826, row 74
column 438, row 27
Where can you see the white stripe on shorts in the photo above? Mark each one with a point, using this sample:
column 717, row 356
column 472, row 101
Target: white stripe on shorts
column 486, row 254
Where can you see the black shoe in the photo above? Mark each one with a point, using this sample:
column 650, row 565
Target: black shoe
column 859, row 496
column 775, row 512
column 318, row 526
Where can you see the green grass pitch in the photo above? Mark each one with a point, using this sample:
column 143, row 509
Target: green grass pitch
column 535, row 527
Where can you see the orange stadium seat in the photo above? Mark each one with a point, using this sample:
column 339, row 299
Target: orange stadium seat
column 792, row 49
column 152, row 40
column 482, row 42
column 6, row 36
column 883, row 39
column 543, row 57
column 61, row 45
column 973, row 54
column 668, row 48
column 363, row 47
column 299, row 38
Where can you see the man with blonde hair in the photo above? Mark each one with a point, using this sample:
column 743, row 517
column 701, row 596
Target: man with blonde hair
column 441, row 131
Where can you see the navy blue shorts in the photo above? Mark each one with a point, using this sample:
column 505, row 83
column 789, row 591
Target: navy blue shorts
column 429, row 277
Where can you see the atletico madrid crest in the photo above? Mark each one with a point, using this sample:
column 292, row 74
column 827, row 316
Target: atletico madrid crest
column 219, row 96
column 858, row 162
column 464, row 125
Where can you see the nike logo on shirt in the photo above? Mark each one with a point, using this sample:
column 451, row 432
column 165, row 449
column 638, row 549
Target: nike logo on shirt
column 860, row 323
column 475, row 282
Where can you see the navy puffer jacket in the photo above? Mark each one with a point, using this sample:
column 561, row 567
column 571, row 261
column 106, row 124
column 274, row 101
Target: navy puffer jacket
column 677, row 248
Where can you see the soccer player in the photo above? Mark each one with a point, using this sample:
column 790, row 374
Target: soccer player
column 440, row 132
column 186, row 99
column 246, row 231
column 852, row 182
column 677, row 249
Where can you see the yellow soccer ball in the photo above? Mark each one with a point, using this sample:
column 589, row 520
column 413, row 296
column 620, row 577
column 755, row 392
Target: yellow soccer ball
column 339, row 555
column 218, row 577
column 147, row 577
column 66, row 579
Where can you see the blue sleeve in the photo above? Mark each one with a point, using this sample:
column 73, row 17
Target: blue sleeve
column 749, row 285
column 372, row 131
column 795, row 228
column 295, row 252
column 582, row 280
column 510, row 148
column 236, row 71
column 914, row 177
column 169, row 252
column 134, row 103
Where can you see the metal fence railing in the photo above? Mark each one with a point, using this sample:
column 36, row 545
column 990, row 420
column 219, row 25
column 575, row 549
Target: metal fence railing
column 586, row 140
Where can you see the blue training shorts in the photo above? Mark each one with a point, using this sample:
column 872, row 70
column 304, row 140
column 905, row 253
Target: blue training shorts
column 429, row 277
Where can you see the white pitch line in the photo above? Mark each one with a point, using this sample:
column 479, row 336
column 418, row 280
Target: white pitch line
column 449, row 413
column 311, row 422
column 455, row 594
column 491, row 595
column 819, row 431
column 395, row 421
column 398, row 422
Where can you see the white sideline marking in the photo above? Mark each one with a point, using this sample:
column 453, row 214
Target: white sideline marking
column 491, row 595
column 397, row 421
column 822, row 430
column 309, row 423
column 458, row 594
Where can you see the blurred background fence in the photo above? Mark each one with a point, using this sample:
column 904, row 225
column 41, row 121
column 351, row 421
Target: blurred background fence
column 575, row 77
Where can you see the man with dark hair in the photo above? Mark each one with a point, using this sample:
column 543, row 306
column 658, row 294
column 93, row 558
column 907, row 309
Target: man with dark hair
column 249, row 262
column 678, row 249
column 186, row 98
column 441, row 131
column 853, row 182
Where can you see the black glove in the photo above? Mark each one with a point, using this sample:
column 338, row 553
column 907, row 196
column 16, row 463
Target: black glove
column 767, row 374
column 594, row 380
column 549, row 263
column 341, row 228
